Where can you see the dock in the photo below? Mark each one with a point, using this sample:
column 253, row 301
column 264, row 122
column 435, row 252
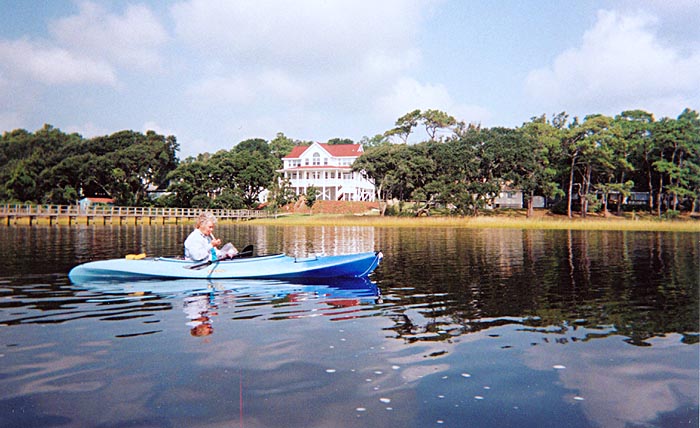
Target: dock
column 11, row 214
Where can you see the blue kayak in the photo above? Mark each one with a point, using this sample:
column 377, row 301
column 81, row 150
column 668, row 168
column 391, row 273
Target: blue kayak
column 278, row 266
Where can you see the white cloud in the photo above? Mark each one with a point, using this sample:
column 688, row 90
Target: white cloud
column 88, row 130
column 310, row 35
column 153, row 126
column 52, row 65
column 620, row 64
column 131, row 39
column 273, row 86
column 221, row 90
column 408, row 94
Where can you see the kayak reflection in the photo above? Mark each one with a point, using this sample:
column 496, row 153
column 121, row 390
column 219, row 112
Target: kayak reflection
column 333, row 287
column 339, row 298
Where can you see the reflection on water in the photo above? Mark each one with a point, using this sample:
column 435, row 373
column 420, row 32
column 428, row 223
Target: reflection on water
column 492, row 327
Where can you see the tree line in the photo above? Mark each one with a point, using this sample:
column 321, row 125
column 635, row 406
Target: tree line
column 580, row 164
column 583, row 164
column 52, row 167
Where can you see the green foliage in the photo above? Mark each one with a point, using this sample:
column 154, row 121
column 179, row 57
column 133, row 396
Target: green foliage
column 671, row 214
column 200, row 201
column 311, row 196
column 253, row 145
column 281, row 193
column 404, row 126
column 376, row 141
column 556, row 157
column 49, row 166
column 236, row 176
column 281, row 146
column 336, row 141
column 432, row 120
column 462, row 171
column 436, row 119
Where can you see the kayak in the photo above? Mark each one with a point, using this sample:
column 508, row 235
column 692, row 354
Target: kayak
column 277, row 266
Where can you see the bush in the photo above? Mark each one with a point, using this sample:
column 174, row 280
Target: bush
column 671, row 214
column 200, row 201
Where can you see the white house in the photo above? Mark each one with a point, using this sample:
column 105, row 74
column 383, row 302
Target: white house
column 327, row 167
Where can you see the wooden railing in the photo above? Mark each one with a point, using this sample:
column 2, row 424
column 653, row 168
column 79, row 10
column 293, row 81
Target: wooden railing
column 10, row 213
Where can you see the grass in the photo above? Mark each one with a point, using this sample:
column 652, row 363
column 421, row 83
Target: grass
column 497, row 221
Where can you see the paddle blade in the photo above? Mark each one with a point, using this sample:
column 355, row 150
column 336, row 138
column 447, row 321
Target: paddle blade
column 247, row 251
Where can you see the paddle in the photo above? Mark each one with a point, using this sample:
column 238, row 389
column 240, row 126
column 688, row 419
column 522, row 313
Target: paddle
column 246, row 252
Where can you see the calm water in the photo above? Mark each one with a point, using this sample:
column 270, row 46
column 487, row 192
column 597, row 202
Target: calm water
column 458, row 328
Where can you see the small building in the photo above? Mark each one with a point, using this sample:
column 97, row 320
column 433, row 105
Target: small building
column 328, row 168
column 90, row 201
column 508, row 198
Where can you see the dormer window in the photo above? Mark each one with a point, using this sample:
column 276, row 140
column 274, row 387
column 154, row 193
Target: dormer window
column 317, row 159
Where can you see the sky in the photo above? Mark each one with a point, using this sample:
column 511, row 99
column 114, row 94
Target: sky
column 217, row 72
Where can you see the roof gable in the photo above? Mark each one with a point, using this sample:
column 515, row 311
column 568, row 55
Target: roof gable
column 334, row 150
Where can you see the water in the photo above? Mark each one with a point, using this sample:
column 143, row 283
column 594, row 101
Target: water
column 458, row 328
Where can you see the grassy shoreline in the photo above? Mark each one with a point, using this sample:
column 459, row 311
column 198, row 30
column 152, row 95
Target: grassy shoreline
column 487, row 222
column 503, row 220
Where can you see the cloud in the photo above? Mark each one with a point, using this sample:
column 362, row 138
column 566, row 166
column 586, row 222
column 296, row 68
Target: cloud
column 633, row 389
column 266, row 64
column 269, row 85
column 87, row 48
column 50, row 65
column 408, row 94
column 131, row 39
column 311, row 35
column 88, row 130
column 620, row 64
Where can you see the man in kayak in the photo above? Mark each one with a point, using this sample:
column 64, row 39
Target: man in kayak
column 201, row 244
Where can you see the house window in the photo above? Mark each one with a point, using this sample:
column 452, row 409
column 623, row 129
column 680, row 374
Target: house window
column 317, row 159
column 325, row 161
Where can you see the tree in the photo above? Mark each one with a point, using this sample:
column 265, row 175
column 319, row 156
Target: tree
column 281, row 146
column 585, row 146
column 678, row 143
column 254, row 173
column 336, row 141
column 379, row 166
column 253, row 145
column 532, row 171
column 456, row 169
column 193, row 177
column 281, row 193
column 436, row 119
column 636, row 140
column 404, row 126
column 376, row 141
column 311, row 195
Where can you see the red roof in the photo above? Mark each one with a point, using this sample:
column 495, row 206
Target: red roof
column 100, row 200
column 335, row 150
column 347, row 167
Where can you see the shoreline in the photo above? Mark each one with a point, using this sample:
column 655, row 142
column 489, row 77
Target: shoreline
column 510, row 220
column 543, row 222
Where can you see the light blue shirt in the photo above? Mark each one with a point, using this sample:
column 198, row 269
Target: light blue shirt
column 197, row 246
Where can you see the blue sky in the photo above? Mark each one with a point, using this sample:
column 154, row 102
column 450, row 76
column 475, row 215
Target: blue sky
column 216, row 72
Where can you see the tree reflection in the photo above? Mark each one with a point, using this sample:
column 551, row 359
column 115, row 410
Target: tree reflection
column 641, row 285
